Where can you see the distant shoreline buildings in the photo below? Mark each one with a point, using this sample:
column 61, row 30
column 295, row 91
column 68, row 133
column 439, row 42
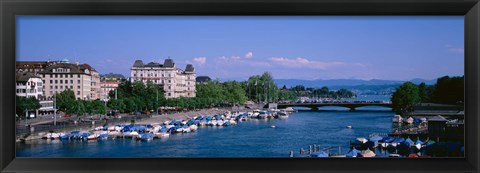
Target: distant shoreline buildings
column 175, row 81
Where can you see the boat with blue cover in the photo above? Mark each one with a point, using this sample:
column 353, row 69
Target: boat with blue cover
column 354, row 153
column 319, row 154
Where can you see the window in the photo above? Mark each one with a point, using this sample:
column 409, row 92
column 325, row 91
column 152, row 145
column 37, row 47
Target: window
column 78, row 87
column 61, row 81
column 56, row 81
column 51, row 92
column 169, row 94
column 43, row 75
column 169, row 81
column 78, row 75
column 71, row 81
column 50, row 75
column 61, row 87
column 56, row 87
column 51, row 87
column 61, row 75
column 71, row 75
column 169, row 87
column 78, row 93
column 66, row 81
column 51, row 81
column 78, row 82
column 56, row 76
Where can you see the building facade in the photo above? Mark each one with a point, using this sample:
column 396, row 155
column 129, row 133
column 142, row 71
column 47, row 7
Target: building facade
column 82, row 79
column 175, row 82
column 109, row 82
column 29, row 85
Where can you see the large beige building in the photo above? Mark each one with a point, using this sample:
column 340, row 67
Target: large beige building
column 82, row 79
column 176, row 82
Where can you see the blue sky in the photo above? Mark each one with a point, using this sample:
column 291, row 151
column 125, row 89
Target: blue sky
column 303, row 47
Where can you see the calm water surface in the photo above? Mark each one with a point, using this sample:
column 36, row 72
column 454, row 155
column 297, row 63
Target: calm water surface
column 252, row 138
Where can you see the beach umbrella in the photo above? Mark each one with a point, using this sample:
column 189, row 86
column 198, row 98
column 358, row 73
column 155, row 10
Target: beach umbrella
column 368, row 153
column 376, row 138
column 353, row 153
column 399, row 140
column 409, row 142
column 387, row 139
column 319, row 154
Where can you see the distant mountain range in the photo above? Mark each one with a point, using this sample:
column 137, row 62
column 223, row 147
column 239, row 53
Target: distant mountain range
column 348, row 83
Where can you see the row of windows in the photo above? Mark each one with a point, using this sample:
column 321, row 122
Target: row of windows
column 61, row 75
column 61, row 81
column 66, row 87
column 28, row 91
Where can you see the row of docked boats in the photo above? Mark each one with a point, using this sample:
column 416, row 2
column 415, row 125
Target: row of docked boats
column 161, row 130
column 409, row 120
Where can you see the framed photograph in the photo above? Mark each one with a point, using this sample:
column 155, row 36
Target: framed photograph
column 261, row 86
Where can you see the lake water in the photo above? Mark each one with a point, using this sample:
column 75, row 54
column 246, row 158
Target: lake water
column 252, row 138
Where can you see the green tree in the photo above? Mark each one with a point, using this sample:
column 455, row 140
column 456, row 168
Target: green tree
column 423, row 92
column 449, row 90
column 405, row 97
column 66, row 102
column 23, row 104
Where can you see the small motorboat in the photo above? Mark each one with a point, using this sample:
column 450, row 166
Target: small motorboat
column 397, row 119
column 349, row 126
column 145, row 136
column 93, row 136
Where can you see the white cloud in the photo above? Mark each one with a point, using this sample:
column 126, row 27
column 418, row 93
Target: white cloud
column 249, row 55
column 200, row 60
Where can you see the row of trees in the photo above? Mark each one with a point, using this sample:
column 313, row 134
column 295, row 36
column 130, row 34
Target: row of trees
column 66, row 102
column 447, row 90
column 323, row 92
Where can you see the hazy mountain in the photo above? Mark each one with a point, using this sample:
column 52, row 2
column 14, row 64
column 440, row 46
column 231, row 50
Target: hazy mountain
column 347, row 82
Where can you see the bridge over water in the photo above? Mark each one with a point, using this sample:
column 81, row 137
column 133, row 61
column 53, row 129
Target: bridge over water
column 315, row 106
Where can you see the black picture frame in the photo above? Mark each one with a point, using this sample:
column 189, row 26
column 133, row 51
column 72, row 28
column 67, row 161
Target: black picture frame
column 11, row 8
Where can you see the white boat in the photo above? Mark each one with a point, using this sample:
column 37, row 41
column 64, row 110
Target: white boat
column 397, row 119
column 233, row 122
column 220, row 122
column 134, row 133
column 93, row 136
column 166, row 122
column 111, row 128
column 162, row 135
column 186, row 130
column 282, row 115
column 202, row 123
column 193, row 127
column 214, row 122
column 409, row 120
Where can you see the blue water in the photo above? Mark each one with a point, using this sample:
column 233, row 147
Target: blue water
column 252, row 138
